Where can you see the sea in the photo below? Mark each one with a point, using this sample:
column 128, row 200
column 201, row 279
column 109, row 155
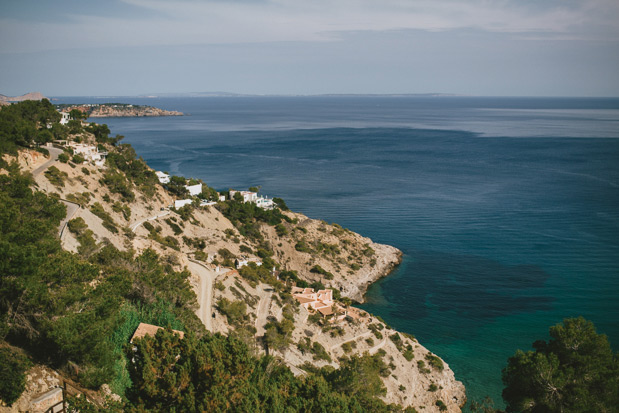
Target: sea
column 506, row 209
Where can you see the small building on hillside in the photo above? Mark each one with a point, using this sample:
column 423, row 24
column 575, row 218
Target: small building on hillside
column 264, row 203
column 248, row 196
column 64, row 118
column 150, row 330
column 243, row 261
column 163, row 177
column 320, row 301
column 179, row 203
column 194, row 190
column 89, row 152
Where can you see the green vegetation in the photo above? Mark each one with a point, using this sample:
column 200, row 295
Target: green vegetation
column 63, row 157
column 247, row 217
column 55, row 176
column 319, row 270
column 25, row 124
column 124, row 159
column 13, row 366
column 216, row 373
column 66, row 310
column 435, row 361
column 108, row 221
column 575, row 371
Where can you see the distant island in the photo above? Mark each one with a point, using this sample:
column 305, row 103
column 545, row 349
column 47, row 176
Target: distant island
column 117, row 110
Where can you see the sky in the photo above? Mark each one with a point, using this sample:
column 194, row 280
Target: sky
column 466, row 47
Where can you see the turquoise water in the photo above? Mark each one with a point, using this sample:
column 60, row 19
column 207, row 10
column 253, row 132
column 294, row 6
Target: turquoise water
column 506, row 209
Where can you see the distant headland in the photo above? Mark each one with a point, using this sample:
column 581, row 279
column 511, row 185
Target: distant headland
column 116, row 110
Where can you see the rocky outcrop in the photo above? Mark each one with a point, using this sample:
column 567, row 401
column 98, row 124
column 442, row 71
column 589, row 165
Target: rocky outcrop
column 27, row 96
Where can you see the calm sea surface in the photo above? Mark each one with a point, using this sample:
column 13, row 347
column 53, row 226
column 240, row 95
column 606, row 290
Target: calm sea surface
column 506, row 209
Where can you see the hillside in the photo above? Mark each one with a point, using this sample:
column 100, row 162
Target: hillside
column 120, row 222
column 27, row 96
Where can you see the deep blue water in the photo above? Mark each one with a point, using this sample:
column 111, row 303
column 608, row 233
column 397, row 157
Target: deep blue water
column 507, row 209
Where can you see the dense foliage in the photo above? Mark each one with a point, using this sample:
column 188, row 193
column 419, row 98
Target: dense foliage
column 247, row 216
column 576, row 371
column 66, row 310
column 27, row 123
column 13, row 367
column 217, row 373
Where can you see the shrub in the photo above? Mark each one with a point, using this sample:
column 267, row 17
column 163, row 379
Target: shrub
column 441, row 406
column 302, row 246
column 77, row 225
column 55, row 176
column 435, row 362
column 63, row 157
column 13, row 368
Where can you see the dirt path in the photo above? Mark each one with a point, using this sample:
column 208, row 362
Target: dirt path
column 205, row 293
column 53, row 157
column 377, row 347
column 263, row 308
column 333, row 347
column 137, row 224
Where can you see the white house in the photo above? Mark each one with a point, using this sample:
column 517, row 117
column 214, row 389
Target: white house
column 204, row 202
column 248, row 196
column 179, row 203
column 222, row 198
column 64, row 118
column 243, row 261
column 264, row 203
column 89, row 152
column 194, row 189
column 163, row 177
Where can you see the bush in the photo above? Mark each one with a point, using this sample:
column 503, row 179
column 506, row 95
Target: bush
column 77, row 225
column 13, row 368
column 55, row 176
column 435, row 362
column 63, row 157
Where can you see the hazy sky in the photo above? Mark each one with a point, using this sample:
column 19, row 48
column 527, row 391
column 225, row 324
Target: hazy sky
column 476, row 47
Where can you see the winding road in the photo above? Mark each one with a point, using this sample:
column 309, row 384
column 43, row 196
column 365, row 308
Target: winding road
column 72, row 207
column 53, row 157
column 205, row 300
column 333, row 347
column 137, row 224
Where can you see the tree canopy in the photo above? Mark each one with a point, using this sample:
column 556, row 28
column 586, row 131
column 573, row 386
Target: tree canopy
column 576, row 371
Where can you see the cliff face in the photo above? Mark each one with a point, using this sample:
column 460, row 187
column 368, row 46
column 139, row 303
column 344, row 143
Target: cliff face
column 348, row 262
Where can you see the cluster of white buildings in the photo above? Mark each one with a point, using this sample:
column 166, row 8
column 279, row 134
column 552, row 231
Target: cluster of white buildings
column 249, row 196
column 195, row 190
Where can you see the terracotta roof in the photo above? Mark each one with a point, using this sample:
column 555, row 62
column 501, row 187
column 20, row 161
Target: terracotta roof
column 327, row 310
column 304, row 300
column 150, row 330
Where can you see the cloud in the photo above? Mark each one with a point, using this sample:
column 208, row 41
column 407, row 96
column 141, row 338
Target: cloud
column 159, row 22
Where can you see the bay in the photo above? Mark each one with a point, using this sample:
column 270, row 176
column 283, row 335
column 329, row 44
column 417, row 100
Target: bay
column 506, row 209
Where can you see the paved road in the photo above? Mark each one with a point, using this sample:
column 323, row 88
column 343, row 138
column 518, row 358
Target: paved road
column 205, row 300
column 263, row 308
column 72, row 208
column 137, row 224
column 53, row 157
